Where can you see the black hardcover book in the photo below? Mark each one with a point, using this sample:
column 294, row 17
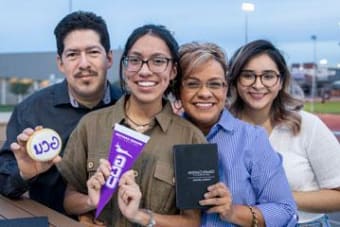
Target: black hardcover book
column 196, row 168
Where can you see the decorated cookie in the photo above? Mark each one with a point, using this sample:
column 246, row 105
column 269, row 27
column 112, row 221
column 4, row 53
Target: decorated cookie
column 44, row 145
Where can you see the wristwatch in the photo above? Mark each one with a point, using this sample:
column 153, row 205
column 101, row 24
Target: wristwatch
column 152, row 221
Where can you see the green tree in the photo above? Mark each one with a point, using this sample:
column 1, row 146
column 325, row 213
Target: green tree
column 20, row 87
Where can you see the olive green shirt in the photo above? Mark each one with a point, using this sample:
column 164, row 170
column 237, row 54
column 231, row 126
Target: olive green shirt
column 91, row 141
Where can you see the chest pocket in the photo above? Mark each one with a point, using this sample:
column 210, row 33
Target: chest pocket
column 162, row 186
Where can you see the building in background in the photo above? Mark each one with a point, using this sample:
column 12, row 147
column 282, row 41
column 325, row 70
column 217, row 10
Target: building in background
column 23, row 73
column 325, row 77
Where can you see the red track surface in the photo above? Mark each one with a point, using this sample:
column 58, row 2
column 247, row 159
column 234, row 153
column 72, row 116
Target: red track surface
column 332, row 121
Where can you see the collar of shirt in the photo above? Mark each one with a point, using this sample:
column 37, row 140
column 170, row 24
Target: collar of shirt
column 162, row 118
column 60, row 93
column 225, row 122
column 106, row 99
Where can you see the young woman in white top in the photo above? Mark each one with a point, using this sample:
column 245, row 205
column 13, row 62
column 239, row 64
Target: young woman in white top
column 259, row 81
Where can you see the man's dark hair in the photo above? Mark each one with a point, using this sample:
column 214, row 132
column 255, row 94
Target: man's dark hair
column 78, row 21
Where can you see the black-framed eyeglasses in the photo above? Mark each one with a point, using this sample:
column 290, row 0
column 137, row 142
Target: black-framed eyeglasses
column 156, row 64
column 212, row 85
column 268, row 78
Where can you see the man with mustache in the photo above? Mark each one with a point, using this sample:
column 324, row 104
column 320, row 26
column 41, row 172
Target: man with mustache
column 84, row 57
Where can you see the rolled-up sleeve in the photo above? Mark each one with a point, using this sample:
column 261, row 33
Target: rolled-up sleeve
column 73, row 165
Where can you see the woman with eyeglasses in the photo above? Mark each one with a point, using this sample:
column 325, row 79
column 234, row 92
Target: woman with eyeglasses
column 253, row 189
column 149, row 63
column 259, row 80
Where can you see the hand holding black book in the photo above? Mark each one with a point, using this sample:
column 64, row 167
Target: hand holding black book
column 196, row 168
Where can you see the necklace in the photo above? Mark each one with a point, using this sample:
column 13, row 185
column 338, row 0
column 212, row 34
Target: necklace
column 137, row 124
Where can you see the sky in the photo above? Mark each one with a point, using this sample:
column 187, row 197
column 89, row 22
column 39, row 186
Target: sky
column 27, row 25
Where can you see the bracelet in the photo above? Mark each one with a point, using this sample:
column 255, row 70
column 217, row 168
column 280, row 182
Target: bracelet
column 254, row 222
column 152, row 221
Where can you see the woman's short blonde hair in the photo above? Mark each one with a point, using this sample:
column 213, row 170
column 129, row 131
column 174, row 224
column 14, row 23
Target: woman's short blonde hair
column 195, row 54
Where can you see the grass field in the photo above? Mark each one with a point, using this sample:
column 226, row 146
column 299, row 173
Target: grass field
column 327, row 107
column 6, row 108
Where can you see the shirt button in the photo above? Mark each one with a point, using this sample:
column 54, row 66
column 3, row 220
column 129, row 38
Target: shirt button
column 90, row 165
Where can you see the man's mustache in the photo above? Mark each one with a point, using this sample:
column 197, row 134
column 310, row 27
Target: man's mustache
column 86, row 72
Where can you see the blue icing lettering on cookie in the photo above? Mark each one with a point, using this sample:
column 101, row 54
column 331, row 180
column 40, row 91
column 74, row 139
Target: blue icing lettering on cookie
column 45, row 146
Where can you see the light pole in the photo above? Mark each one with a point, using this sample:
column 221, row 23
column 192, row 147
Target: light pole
column 247, row 7
column 314, row 38
column 338, row 65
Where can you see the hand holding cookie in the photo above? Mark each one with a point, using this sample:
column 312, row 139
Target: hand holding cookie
column 36, row 151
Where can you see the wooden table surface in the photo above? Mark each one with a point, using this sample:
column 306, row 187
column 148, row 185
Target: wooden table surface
column 28, row 208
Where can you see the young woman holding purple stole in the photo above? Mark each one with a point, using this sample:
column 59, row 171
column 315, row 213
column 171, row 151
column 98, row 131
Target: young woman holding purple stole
column 146, row 196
